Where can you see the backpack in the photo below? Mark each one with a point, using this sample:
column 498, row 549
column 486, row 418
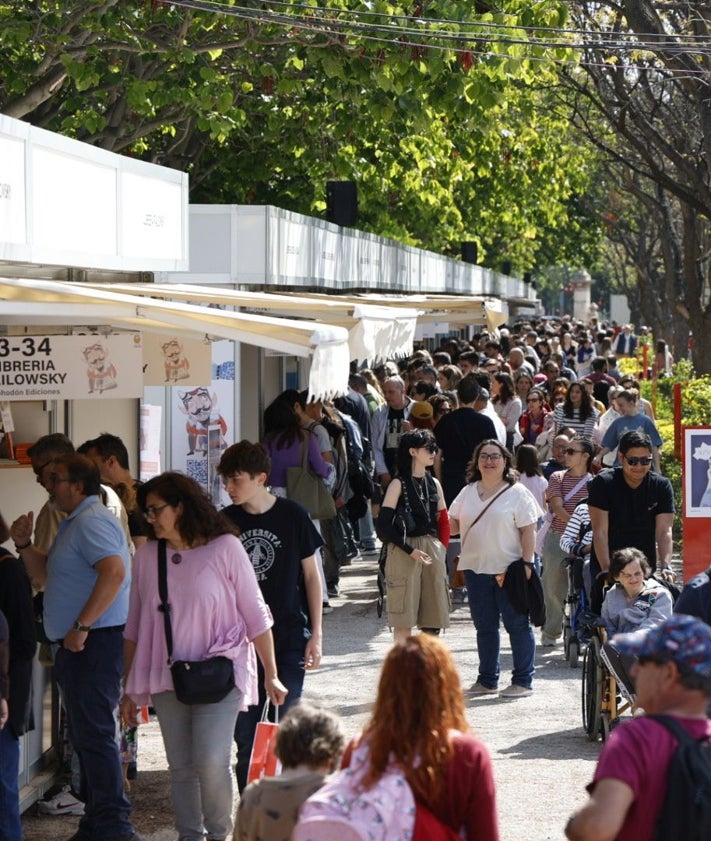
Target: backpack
column 342, row 809
column 686, row 813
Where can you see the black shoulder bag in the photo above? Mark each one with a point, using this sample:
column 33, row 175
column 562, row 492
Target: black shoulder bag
column 195, row 681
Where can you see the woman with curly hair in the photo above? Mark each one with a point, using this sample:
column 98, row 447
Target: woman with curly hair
column 419, row 723
column 496, row 517
column 216, row 608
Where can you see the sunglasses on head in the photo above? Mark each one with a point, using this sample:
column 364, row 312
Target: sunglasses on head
column 633, row 461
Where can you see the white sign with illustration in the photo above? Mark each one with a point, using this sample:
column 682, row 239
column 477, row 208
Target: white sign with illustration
column 70, row 367
column 171, row 360
column 697, row 472
column 203, row 423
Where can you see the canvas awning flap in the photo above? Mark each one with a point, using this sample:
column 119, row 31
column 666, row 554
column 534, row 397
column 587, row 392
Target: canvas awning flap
column 381, row 333
column 30, row 299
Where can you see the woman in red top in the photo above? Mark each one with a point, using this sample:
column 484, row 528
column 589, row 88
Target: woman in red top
column 530, row 423
column 419, row 722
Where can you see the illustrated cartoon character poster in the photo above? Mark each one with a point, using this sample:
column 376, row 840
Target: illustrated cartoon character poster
column 100, row 370
column 174, row 360
column 203, row 423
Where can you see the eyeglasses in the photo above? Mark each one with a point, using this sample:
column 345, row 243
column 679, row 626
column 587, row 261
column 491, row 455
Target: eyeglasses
column 431, row 447
column 569, row 451
column 490, row 456
column 53, row 479
column 38, row 470
column 633, row 461
column 443, row 411
column 152, row 511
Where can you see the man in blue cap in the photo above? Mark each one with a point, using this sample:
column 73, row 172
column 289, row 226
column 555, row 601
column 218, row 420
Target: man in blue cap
column 672, row 677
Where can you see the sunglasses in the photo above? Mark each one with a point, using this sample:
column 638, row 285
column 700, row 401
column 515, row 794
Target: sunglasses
column 533, row 400
column 633, row 461
column 569, row 451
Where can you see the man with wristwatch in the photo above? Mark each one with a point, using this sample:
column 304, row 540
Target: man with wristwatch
column 86, row 578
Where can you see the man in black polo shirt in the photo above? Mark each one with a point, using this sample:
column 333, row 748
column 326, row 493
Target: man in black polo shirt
column 457, row 435
column 630, row 506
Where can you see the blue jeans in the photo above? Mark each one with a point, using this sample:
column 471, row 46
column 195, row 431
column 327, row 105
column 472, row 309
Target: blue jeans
column 488, row 605
column 90, row 685
column 290, row 668
column 10, row 824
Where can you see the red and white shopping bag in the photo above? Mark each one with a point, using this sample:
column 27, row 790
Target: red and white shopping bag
column 263, row 762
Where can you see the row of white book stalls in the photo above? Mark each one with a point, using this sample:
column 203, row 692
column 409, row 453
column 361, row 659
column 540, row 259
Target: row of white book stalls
column 124, row 310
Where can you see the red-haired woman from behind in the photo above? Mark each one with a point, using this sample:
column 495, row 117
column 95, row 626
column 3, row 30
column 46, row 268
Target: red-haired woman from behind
column 419, row 723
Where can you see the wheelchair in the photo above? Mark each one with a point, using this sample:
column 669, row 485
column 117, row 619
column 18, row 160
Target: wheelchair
column 576, row 612
column 604, row 698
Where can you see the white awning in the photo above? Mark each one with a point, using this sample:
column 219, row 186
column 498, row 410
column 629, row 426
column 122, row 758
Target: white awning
column 33, row 302
column 375, row 332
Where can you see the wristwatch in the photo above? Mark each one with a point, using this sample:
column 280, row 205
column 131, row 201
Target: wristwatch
column 77, row 626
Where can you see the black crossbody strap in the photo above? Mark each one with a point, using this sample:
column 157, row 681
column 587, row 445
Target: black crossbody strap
column 163, row 593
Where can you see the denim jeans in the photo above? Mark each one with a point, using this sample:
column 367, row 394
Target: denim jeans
column 290, row 668
column 488, row 605
column 198, row 746
column 10, row 825
column 90, row 685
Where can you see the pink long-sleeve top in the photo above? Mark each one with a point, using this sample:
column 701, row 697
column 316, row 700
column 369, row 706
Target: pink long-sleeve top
column 217, row 608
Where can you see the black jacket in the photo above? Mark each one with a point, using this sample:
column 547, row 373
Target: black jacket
column 16, row 604
column 525, row 595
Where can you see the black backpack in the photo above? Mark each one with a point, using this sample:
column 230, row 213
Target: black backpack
column 686, row 813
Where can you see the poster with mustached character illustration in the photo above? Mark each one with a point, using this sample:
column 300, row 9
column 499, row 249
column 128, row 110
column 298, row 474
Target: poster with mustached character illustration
column 204, row 422
column 100, row 370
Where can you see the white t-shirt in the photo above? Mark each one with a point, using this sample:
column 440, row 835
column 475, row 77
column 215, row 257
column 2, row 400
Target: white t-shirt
column 494, row 542
column 537, row 485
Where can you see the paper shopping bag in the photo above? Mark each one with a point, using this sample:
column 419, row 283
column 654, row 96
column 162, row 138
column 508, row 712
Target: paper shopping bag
column 263, row 762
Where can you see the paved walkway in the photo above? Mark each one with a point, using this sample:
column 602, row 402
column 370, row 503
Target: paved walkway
column 542, row 758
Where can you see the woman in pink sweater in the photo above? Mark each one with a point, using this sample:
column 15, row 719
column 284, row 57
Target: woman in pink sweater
column 216, row 608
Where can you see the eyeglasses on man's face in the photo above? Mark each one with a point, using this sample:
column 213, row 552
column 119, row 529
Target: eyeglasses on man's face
column 490, row 456
column 54, row 479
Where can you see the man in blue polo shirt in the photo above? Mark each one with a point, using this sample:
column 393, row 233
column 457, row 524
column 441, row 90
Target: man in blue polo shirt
column 86, row 578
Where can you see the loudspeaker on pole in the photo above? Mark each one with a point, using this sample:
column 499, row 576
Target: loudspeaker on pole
column 342, row 203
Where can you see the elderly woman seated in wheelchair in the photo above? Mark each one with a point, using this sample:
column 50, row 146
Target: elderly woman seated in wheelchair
column 635, row 601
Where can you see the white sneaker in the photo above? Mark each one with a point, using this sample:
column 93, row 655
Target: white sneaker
column 515, row 691
column 64, row 803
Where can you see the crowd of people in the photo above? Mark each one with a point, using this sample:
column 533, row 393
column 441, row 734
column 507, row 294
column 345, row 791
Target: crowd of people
column 493, row 458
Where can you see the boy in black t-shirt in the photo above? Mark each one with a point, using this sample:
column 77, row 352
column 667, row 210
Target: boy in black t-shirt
column 281, row 541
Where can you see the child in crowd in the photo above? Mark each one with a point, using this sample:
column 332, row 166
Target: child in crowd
column 309, row 744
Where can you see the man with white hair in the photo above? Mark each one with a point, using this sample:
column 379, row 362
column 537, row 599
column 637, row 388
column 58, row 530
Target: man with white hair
column 626, row 342
column 387, row 424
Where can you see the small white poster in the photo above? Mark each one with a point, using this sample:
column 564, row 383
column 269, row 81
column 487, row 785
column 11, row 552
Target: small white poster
column 71, row 367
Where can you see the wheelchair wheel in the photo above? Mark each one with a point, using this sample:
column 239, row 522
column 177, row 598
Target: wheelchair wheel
column 591, row 690
column 573, row 653
column 567, row 634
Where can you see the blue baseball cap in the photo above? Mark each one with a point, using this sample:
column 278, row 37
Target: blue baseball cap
column 683, row 639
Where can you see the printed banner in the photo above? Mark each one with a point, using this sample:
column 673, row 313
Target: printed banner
column 170, row 360
column 71, row 367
